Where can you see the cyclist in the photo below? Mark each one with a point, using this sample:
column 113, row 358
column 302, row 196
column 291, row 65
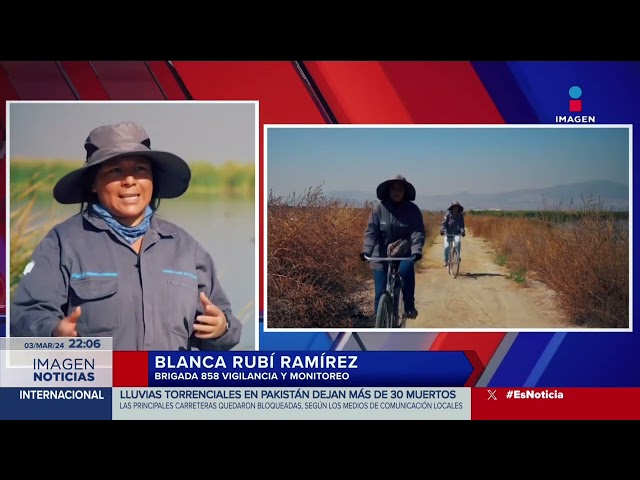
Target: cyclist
column 396, row 220
column 453, row 224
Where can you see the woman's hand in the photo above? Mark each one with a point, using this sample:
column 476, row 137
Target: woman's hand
column 67, row 326
column 213, row 324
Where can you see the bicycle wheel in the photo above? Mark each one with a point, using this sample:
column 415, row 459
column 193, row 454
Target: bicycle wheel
column 451, row 259
column 399, row 317
column 456, row 263
column 384, row 316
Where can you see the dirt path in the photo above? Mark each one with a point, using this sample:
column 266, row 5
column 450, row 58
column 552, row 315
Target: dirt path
column 482, row 296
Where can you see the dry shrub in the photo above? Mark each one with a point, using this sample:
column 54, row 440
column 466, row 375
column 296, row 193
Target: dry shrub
column 432, row 222
column 586, row 260
column 314, row 269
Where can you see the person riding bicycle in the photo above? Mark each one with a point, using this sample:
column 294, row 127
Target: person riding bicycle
column 395, row 220
column 453, row 224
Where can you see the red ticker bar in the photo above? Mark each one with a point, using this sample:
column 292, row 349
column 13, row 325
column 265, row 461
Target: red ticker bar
column 555, row 403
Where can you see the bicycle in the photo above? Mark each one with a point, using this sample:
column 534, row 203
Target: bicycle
column 454, row 255
column 390, row 312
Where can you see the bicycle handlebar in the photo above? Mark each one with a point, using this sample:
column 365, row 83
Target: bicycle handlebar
column 388, row 259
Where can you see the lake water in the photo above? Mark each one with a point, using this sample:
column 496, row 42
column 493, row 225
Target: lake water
column 227, row 230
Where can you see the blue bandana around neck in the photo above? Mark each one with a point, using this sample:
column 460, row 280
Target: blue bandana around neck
column 129, row 234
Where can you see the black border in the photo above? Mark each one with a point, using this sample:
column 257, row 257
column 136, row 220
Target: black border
column 425, row 433
column 570, row 40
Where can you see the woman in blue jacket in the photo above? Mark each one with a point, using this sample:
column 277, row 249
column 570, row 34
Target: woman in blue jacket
column 116, row 269
column 395, row 218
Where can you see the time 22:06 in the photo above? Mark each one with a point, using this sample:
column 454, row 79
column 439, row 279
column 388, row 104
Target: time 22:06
column 84, row 343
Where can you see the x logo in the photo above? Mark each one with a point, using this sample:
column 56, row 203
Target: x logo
column 492, row 395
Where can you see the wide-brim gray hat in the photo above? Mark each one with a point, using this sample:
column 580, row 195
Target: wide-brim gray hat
column 171, row 174
column 382, row 192
column 456, row 204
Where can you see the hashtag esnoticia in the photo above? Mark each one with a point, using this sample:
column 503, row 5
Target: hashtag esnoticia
column 537, row 394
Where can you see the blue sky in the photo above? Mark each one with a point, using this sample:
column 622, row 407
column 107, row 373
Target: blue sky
column 439, row 160
column 210, row 132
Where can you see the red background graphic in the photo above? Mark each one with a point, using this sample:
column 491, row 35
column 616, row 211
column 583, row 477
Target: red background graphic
column 577, row 404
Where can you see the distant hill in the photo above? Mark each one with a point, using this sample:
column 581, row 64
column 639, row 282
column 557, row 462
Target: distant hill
column 610, row 195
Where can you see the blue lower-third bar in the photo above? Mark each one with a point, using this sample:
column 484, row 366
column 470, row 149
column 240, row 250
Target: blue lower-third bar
column 55, row 404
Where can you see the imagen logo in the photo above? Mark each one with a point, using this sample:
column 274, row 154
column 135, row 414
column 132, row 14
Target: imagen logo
column 575, row 106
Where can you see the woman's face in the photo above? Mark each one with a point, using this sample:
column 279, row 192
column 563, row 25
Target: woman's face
column 396, row 191
column 124, row 187
column 455, row 210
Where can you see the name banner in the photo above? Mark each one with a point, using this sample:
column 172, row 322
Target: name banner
column 318, row 369
column 305, row 403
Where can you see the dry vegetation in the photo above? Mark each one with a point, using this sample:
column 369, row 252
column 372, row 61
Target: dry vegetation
column 315, row 276
column 585, row 260
column 432, row 225
column 313, row 267
column 27, row 227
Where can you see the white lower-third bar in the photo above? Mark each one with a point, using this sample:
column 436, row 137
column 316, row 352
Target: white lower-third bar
column 292, row 403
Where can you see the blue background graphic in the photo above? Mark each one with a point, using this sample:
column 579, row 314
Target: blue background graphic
column 13, row 408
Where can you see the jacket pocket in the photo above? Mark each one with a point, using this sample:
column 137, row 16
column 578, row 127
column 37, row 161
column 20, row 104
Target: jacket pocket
column 100, row 308
column 181, row 303
column 402, row 230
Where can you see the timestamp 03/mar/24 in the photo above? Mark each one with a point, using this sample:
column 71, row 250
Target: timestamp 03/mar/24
column 66, row 344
